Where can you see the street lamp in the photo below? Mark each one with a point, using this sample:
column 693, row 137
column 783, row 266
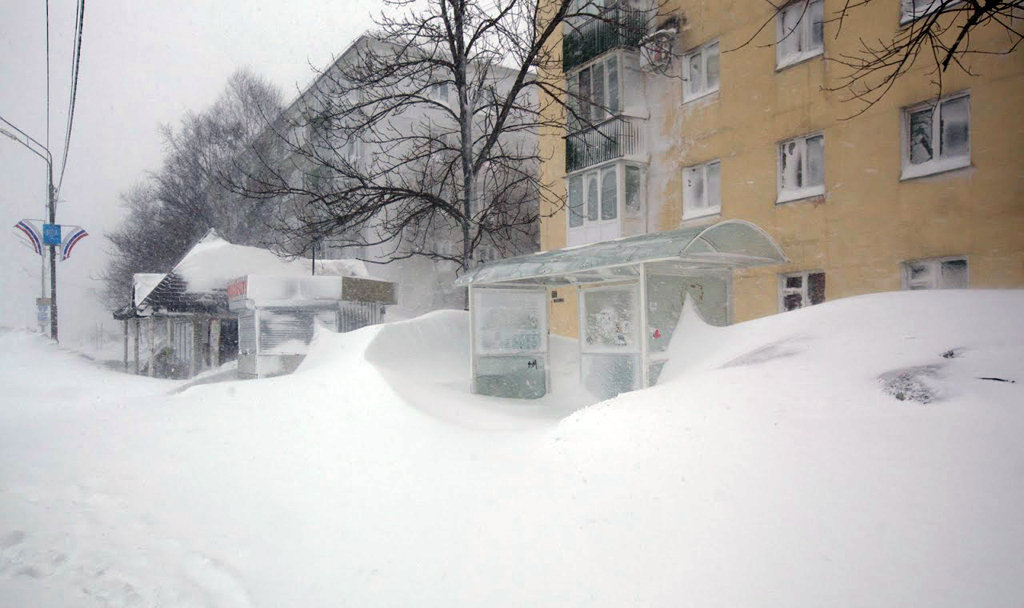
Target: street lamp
column 51, row 205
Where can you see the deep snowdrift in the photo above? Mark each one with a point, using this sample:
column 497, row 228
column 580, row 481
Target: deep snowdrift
column 771, row 467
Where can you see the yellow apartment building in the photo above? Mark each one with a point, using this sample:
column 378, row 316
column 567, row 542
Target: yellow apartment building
column 722, row 113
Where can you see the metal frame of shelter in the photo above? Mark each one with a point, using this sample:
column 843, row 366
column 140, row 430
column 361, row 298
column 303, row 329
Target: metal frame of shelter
column 711, row 252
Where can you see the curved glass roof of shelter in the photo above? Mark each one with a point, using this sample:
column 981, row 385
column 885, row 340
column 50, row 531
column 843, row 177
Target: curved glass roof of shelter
column 728, row 244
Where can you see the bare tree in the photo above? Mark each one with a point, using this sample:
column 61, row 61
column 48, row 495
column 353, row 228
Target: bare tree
column 171, row 208
column 425, row 132
column 942, row 33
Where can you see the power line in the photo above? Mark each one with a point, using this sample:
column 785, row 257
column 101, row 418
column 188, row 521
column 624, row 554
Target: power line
column 76, row 58
column 47, row 74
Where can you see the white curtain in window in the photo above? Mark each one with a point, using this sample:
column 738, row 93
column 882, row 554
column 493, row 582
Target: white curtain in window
column 609, row 194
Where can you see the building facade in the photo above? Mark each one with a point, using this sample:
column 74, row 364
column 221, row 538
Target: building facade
column 315, row 153
column 705, row 116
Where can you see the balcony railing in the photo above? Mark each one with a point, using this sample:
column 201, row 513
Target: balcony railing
column 615, row 27
column 614, row 138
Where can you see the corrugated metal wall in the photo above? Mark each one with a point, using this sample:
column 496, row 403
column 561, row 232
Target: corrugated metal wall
column 359, row 314
column 288, row 332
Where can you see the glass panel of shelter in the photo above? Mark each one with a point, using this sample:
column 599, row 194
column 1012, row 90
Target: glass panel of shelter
column 510, row 341
column 669, row 285
column 610, row 350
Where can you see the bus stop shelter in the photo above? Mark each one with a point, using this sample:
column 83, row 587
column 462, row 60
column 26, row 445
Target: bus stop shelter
column 631, row 293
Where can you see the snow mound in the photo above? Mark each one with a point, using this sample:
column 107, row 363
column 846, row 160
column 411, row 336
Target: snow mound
column 768, row 469
column 433, row 347
column 910, row 343
column 426, row 361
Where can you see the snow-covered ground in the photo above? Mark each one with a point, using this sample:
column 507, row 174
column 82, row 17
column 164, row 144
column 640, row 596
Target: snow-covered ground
column 774, row 465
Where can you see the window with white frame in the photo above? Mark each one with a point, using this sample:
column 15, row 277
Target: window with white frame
column 439, row 92
column 593, row 197
column 936, row 136
column 801, row 168
column 700, row 72
column 594, row 92
column 936, row 273
column 800, row 289
column 800, row 32
column 914, row 9
column 702, row 190
column 594, row 194
column 633, row 190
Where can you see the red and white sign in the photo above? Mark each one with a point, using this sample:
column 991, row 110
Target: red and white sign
column 237, row 288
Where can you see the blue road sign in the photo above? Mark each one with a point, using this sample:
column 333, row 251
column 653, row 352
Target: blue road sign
column 51, row 234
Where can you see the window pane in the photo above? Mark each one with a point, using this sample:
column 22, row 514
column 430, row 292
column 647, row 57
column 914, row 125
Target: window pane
column 920, row 131
column 954, row 131
column 789, row 36
column 694, row 81
column 790, row 159
column 613, row 84
column 573, row 100
column 610, row 320
column 585, row 96
column 815, row 161
column 711, row 55
column 794, row 282
column 792, row 301
column 954, row 274
column 918, row 270
column 609, row 195
column 693, row 188
column 509, row 321
column 633, row 200
column 592, row 197
column 600, row 103
column 575, row 201
column 714, row 186
column 816, row 287
column 816, row 19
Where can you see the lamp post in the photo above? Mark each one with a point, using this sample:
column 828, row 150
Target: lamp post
column 51, row 207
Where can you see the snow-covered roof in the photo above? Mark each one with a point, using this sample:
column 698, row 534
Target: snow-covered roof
column 213, row 262
column 199, row 280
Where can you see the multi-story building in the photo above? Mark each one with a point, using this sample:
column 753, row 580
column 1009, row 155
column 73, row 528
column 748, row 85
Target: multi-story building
column 721, row 111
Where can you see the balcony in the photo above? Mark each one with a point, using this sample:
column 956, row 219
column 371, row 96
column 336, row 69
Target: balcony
column 616, row 27
column 615, row 138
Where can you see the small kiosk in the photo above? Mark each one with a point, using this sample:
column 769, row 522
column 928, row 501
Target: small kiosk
column 277, row 315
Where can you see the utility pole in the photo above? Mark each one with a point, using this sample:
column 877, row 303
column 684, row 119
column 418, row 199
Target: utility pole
column 51, row 198
column 34, row 146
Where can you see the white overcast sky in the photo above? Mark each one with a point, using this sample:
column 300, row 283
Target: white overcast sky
column 143, row 63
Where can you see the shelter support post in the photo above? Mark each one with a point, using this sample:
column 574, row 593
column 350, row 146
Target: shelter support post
column 126, row 346
column 645, row 367
column 215, row 343
column 136, row 345
column 196, row 348
column 151, row 331
column 472, row 339
column 168, row 337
